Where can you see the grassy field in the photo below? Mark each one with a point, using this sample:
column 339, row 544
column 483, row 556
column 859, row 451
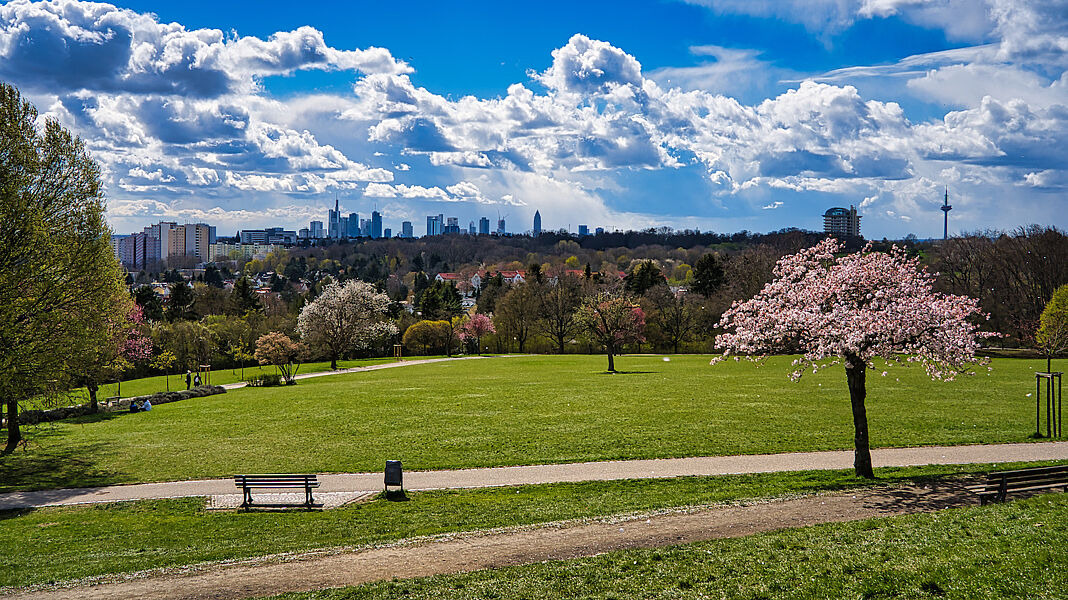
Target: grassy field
column 55, row 544
column 1013, row 550
column 152, row 385
column 521, row 410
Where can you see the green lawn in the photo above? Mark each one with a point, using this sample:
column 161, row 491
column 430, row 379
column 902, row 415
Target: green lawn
column 1013, row 550
column 152, row 385
column 62, row 543
column 521, row 410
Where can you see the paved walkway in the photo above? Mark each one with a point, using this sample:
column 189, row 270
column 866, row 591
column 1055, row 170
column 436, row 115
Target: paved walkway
column 589, row 471
column 401, row 363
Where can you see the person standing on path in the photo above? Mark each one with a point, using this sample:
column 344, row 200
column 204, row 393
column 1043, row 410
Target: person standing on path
column 196, row 380
column 188, row 378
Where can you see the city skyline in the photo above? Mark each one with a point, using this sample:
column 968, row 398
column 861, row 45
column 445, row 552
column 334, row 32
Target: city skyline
column 715, row 114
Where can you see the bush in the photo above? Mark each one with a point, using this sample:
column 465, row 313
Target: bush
column 266, row 380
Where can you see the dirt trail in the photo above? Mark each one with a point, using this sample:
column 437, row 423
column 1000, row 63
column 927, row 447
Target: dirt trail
column 473, row 551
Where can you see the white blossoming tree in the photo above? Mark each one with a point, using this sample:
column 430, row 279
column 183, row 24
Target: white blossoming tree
column 345, row 317
column 853, row 309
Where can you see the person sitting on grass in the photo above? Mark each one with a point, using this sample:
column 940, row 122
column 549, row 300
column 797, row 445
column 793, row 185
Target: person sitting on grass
column 134, row 407
column 147, row 405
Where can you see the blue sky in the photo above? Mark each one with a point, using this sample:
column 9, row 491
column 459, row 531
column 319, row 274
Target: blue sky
column 716, row 114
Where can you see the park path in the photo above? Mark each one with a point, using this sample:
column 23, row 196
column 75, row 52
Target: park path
column 463, row 552
column 401, row 363
column 569, row 472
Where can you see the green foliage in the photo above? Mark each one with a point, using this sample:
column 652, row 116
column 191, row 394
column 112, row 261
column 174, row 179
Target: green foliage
column 644, row 277
column 440, row 301
column 265, row 380
column 213, row 277
column 708, row 275
column 151, row 307
column 1052, row 335
column 59, row 281
column 243, row 298
column 180, row 302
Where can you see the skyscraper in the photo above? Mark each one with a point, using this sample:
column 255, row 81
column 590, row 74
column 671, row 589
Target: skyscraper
column 333, row 220
column 352, row 227
column 316, row 228
column 500, row 226
column 435, row 224
column 387, row 233
column 471, row 228
column 483, row 226
column 406, row 230
column 584, row 230
column 537, row 222
column 376, row 224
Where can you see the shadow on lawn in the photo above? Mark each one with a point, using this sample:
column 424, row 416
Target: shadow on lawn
column 627, row 372
column 43, row 464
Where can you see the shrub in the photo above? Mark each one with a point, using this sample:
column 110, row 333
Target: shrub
column 266, row 380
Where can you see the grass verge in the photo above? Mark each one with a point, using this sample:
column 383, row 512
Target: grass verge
column 1012, row 550
column 63, row 543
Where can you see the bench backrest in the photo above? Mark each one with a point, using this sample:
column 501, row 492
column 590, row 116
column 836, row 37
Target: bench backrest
column 274, row 480
column 1021, row 478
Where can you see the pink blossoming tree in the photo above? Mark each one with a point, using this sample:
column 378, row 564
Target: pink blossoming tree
column 614, row 321
column 478, row 326
column 854, row 309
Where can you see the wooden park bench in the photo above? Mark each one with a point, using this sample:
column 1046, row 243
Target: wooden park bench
column 1000, row 483
column 247, row 482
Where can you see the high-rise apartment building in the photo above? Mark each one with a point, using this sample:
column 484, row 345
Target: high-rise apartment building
column 842, row 222
column 483, row 226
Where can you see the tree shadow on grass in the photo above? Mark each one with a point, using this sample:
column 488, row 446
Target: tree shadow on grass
column 627, row 372
column 44, row 464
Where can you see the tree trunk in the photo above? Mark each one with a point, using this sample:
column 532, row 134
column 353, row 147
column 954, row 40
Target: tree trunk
column 611, row 361
column 333, row 362
column 675, row 345
column 14, row 436
column 855, row 373
column 92, row 387
column 560, row 343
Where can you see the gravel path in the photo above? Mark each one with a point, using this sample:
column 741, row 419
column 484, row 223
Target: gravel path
column 589, row 471
column 472, row 551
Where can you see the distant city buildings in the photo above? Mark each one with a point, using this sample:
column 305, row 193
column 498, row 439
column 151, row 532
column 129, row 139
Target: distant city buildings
column 406, row 230
column 376, row 224
column 435, row 225
column 842, row 222
column 501, row 230
column 584, row 230
column 483, row 226
column 316, row 228
column 270, row 235
column 537, row 223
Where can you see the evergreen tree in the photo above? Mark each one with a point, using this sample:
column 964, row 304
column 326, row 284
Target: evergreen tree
column 243, row 298
column 708, row 275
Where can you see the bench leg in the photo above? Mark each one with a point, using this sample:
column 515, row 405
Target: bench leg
column 308, row 495
column 247, row 497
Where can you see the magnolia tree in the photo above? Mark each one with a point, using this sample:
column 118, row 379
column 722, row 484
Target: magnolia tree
column 476, row 327
column 614, row 321
column 853, row 309
column 280, row 350
column 345, row 317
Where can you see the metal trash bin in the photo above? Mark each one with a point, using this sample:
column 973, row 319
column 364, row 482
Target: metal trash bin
column 394, row 474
